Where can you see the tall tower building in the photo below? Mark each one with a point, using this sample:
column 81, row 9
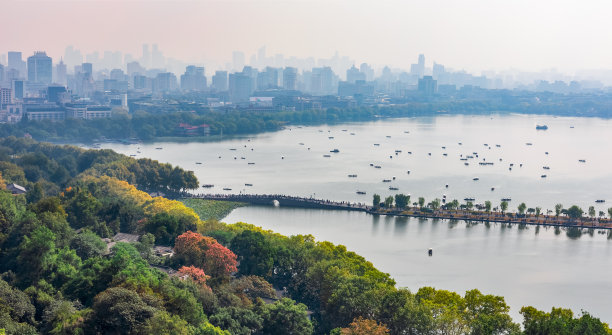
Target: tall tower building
column 290, row 78
column 15, row 62
column 60, row 71
column 40, row 68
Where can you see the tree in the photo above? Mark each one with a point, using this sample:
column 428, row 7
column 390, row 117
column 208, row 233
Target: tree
column 286, row 317
column 538, row 210
column 196, row 274
column 389, row 201
column 118, row 311
column 361, row 326
column 421, row 202
column 238, row 321
column 488, row 314
column 521, row 208
column 610, row 213
column 256, row 254
column 376, row 200
column 488, row 206
column 469, row 205
column 402, row 200
column 435, row 204
column 87, row 244
column 558, row 209
column 592, row 212
column 205, row 252
column 574, row 212
column 503, row 206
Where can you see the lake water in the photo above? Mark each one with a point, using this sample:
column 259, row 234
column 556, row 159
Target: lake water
column 528, row 269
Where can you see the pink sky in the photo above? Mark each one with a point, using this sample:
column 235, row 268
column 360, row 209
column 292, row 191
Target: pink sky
column 470, row 34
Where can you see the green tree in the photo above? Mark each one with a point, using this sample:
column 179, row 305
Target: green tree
column 255, row 253
column 421, row 202
column 558, row 209
column 521, row 208
column 503, row 206
column 389, row 201
column 376, row 200
column 488, row 206
column 538, row 211
column 435, row 204
column 574, row 212
column 238, row 321
column 120, row 311
column 286, row 317
column 402, row 200
column 87, row 244
column 592, row 212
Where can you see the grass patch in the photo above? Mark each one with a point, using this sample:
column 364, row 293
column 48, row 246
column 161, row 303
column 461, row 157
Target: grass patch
column 211, row 209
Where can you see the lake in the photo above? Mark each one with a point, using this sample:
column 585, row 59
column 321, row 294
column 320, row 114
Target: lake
column 569, row 163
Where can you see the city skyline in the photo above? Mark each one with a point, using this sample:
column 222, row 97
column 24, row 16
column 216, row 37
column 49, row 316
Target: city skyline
column 478, row 36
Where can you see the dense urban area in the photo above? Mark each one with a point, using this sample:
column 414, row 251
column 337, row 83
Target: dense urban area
column 155, row 96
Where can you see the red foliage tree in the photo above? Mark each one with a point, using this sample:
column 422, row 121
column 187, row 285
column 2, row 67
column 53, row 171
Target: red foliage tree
column 206, row 253
column 196, row 274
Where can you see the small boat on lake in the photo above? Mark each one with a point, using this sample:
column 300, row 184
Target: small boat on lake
column 599, row 201
column 582, row 161
column 386, row 180
column 251, row 163
column 541, row 127
column 227, row 189
column 361, row 192
column 335, row 151
column 159, row 148
column 377, row 166
column 326, row 155
column 198, row 163
column 393, row 188
column 543, row 176
column 352, row 176
column 469, row 199
column 208, row 185
column 377, row 144
column 506, row 199
column 248, row 184
column 476, row 179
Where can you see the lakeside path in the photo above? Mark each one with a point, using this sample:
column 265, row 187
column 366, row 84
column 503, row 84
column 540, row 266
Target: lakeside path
column 466, row 215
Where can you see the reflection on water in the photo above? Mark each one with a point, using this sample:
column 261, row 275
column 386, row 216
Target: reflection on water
column 528, row 265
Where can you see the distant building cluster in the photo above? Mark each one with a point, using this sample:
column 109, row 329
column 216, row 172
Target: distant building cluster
column 96, row 86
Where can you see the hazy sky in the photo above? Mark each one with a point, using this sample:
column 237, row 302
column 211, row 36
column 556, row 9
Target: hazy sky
column 470, row 34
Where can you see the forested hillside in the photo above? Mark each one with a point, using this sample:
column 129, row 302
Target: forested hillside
column 64, row 269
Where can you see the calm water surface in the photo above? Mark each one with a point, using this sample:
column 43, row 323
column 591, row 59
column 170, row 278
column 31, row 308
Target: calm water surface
column 543, row 270
column 531, row 266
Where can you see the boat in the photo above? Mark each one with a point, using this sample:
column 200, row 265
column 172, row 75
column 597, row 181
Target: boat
column 475, row 179
column 386, row 180
column 543, row 176
column 546, row 167
column 361, row 192
column 528, row 143
column 331, row 137
column 466, row 163
column 582, row 161
column 497, row 145
column 352, row 133
column 371, row 164
column 251, row 163
column 377, row 144
column 377, row 166
column 492, row 188
column 469, row 199
column 227, row 189
column 132, row 155
column 599, row 201
column 541, row 127
column 445, row 154
column 408, row 172
column 208, row 185
column 158, row 148
column 335, row 151
column 301, row 143
column 198, row 163
column 393, row 188
column 344, row 130
column 233, row 149
column 506, row 199
column 248, row 184
column 326, row 155
column 352, row 176
column 546, row 153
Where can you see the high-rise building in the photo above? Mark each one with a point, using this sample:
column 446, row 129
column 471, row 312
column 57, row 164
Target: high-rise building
column 17, row 88
column 240, row 87
column 40, row 68
column 238, row 60
column 165, row 82
column 290, row 78
column 60, row 72
column 193, row 79
column 428, row 86
column 367, row 71
column 267, row 79
column 419, row 68
column 353, row 74
column 15, row 62
column 146, row 56
column 5, row 97
column 87, row 69
column 219, row 81
column 2, row 79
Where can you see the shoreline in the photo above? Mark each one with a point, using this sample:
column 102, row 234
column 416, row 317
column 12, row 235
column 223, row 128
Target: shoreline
column 459, row 215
